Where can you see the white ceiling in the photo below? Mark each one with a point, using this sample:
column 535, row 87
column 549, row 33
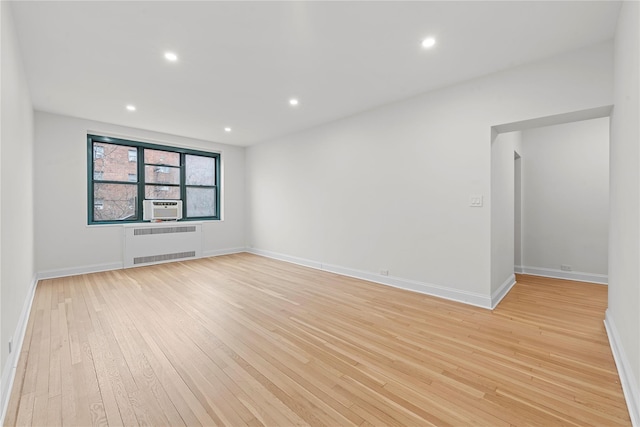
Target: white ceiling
column 240, row 62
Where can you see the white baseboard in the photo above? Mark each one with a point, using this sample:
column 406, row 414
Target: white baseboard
column 74, row 271
column 219, row 252
column 502, row 291
column 96, row 268
column 293, row 260
column 10, row 366
column 629, row 383
column 601, row 279
column 465, row 297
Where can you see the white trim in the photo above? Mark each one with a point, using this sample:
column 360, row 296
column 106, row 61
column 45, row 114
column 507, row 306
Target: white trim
column 502, row 291
column 219, row 252
column 287, row 258
column 465, row 297
column 601, row 279
column 629, row 384
column 74, row 271
column 159, row 223
column 9, row 369
column 96, row 268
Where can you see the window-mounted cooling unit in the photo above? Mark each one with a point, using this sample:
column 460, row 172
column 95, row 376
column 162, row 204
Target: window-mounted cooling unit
column 164, row 210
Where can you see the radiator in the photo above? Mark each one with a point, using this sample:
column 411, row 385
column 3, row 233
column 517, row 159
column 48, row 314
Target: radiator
column 155, row 243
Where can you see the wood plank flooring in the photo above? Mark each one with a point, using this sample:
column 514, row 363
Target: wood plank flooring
column 242, row 340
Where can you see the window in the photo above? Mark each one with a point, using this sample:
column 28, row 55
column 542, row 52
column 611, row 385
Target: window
column 122, row 174
column 200, row 183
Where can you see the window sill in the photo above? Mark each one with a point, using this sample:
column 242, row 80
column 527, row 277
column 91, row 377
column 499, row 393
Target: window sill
column 153, row 224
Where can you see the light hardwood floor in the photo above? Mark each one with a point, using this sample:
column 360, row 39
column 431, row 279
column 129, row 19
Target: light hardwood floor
column 244, row 340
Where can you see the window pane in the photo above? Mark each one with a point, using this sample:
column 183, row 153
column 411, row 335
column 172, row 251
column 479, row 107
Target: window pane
column 153, row 192
column 201, row 202
column 112, row 202
column 158, row 157
column 161, row 175
column 98, row 151
column 200, row 170
column 112, row 163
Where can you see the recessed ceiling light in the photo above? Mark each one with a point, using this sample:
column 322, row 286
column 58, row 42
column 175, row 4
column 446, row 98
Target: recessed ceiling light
column 227, row 129
column 293, row 101
column 429, row 42
column 131, row 107
column 170, row 56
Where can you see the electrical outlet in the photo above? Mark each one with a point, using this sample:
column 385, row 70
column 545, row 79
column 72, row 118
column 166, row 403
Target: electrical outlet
column 475, row 201
column 565, row 267
column 384, row 272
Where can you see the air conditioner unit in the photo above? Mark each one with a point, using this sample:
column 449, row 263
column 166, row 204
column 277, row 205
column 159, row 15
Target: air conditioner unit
column 162, row 210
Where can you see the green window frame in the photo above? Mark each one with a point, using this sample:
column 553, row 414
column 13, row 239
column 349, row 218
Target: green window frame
column 118, row 181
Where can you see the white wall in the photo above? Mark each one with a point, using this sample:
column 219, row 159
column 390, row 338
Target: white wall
column 623, row 315
column 503, row 149
column 565, row 219
column 389, row 188
column 66, row 244
column 16, row 193
column 518, row 210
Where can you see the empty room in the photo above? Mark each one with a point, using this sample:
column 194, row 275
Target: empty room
column 320, row 213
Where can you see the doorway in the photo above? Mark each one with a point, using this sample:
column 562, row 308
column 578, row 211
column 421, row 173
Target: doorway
column 523, row 240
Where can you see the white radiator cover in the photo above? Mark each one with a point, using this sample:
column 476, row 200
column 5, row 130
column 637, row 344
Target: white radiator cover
column 146, row 244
